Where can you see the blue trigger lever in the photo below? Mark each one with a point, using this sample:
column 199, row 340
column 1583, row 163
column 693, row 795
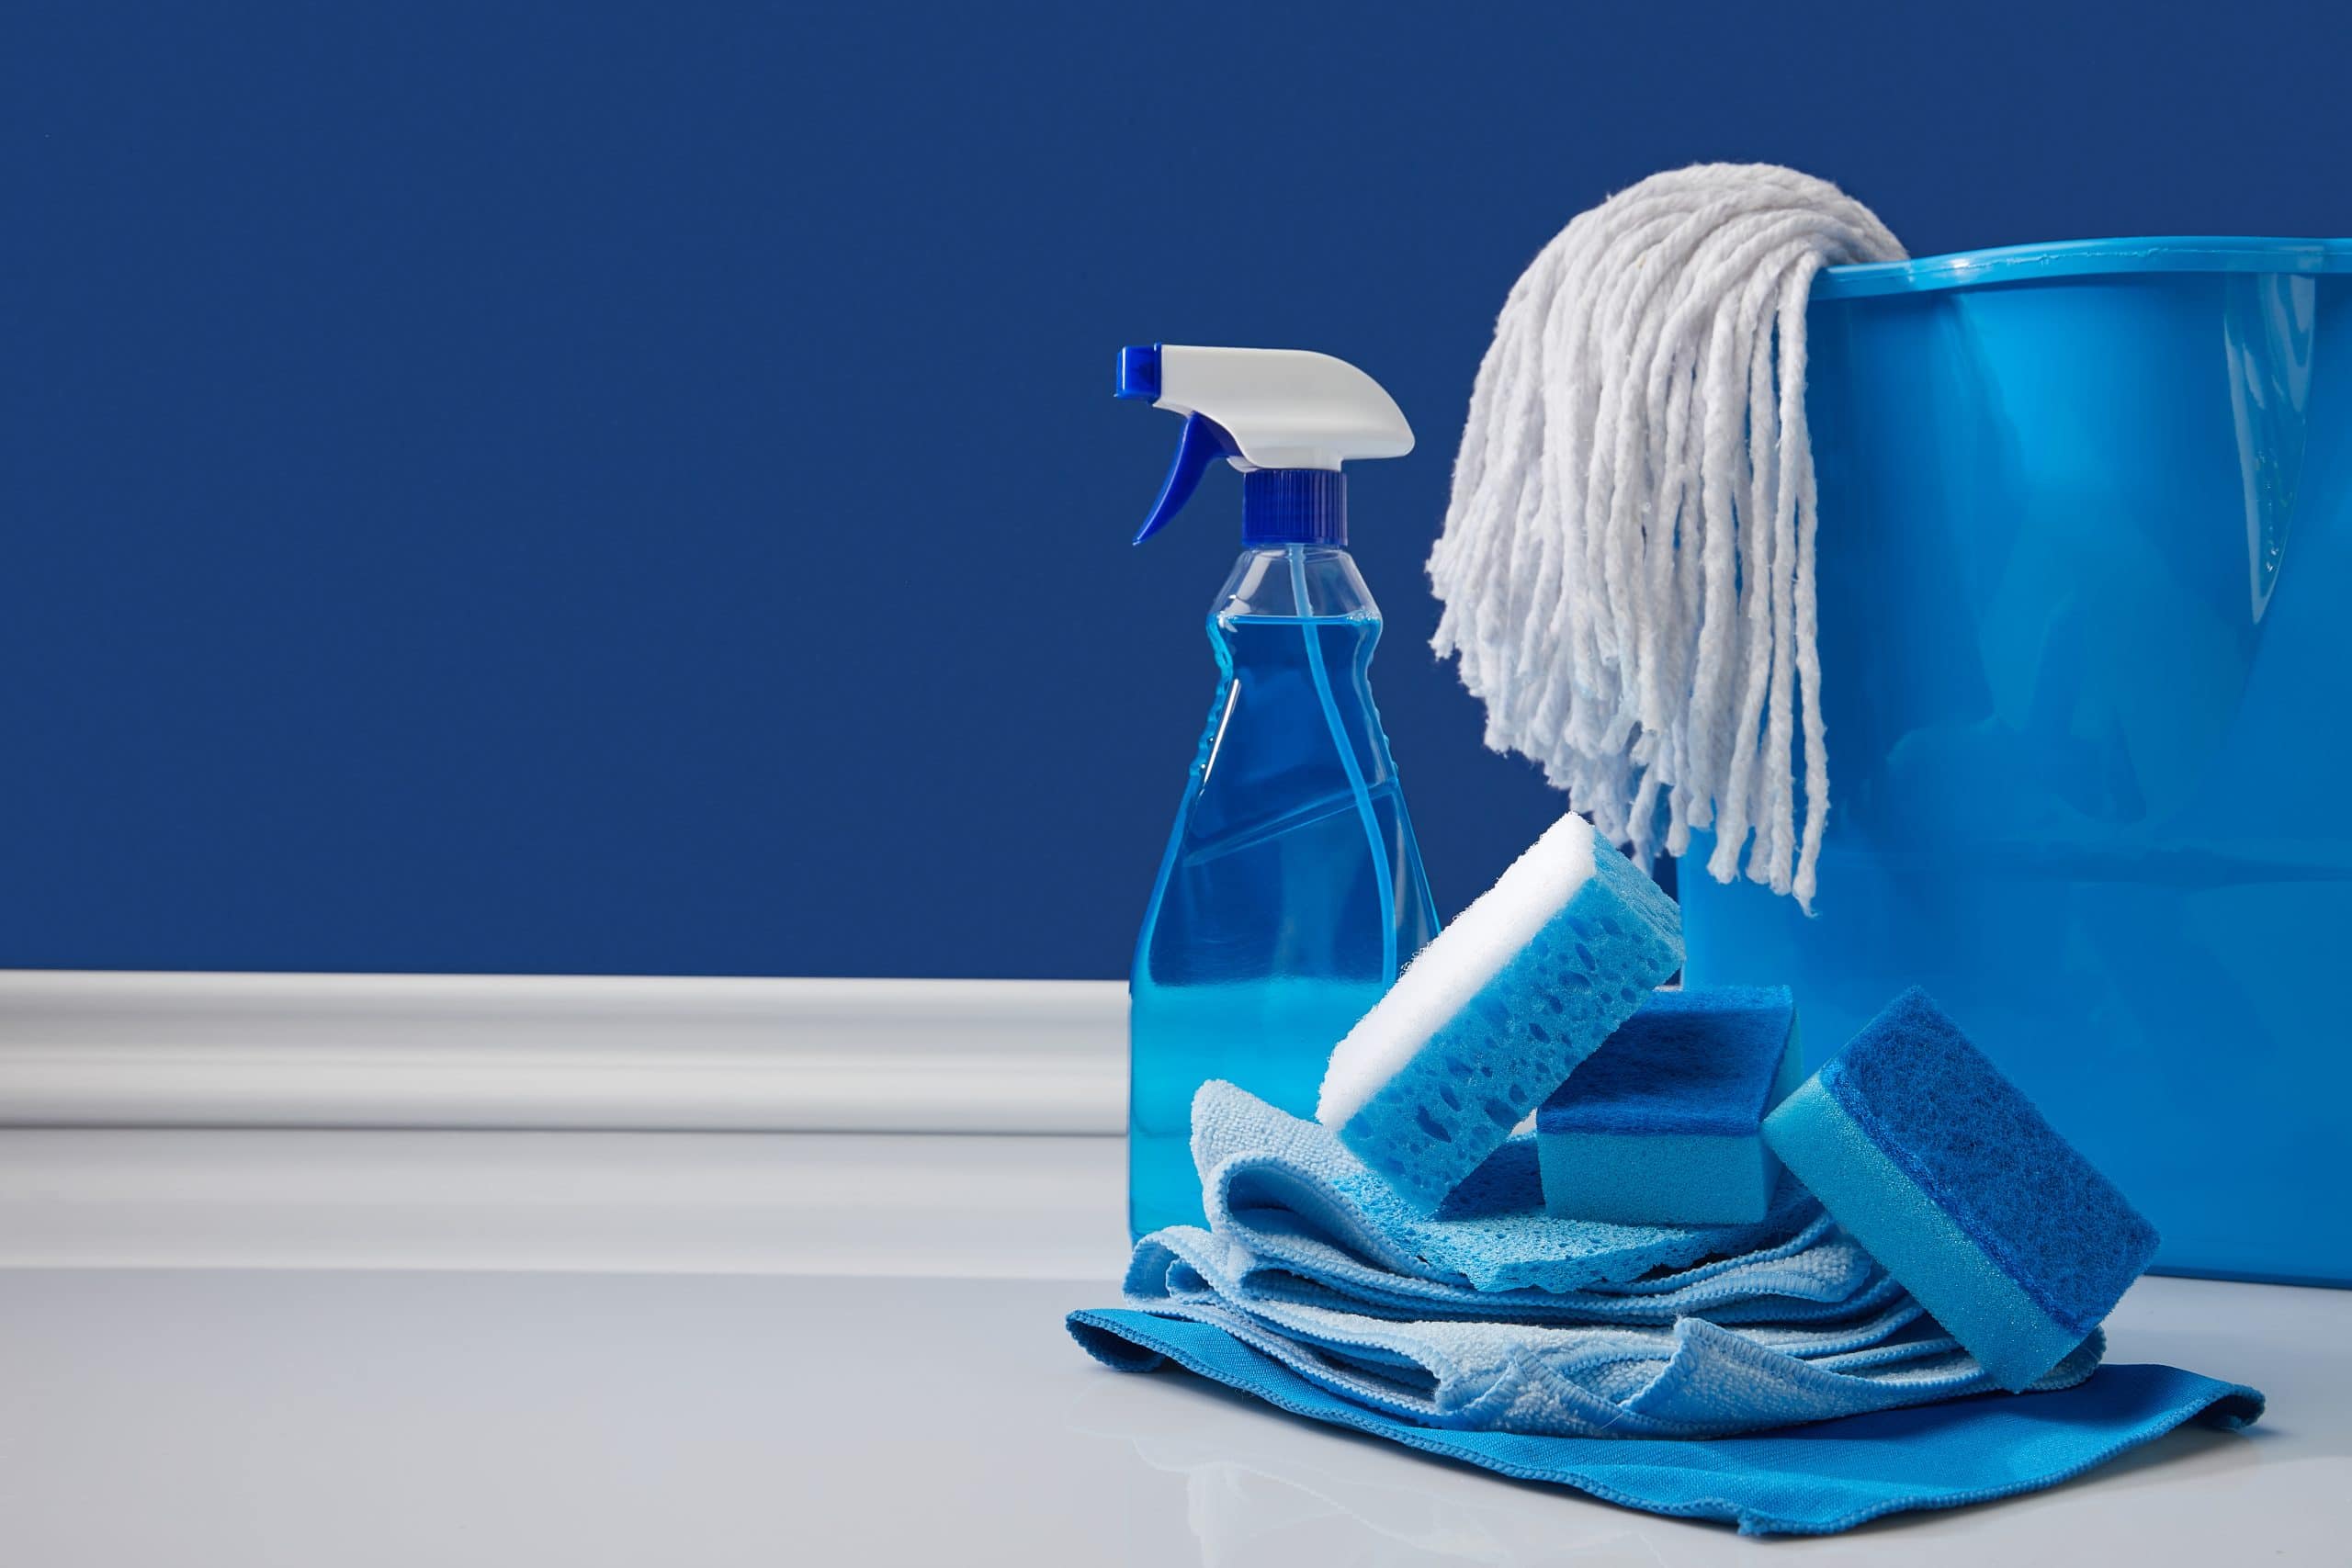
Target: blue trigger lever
column 1204, row 442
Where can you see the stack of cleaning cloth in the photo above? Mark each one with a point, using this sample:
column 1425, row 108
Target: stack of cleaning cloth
column 1561, row 1224
column 1505, row 1318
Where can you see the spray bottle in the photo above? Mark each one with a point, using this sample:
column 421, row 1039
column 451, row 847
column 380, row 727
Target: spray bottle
column 1292, row 890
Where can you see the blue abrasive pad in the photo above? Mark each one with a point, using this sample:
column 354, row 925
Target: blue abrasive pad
column 1947, row 1174
column 1664, row 1124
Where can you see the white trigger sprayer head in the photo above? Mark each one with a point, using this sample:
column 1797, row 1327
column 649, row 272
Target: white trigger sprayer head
column 1287, row 417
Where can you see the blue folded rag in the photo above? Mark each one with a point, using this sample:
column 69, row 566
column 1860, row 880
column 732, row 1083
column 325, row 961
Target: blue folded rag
column 1687, row 1378
column 1811, row 1480
column 1816, row 1275
column 1298, row 1199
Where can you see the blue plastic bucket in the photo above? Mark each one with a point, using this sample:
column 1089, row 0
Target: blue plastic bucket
column 2085, row 574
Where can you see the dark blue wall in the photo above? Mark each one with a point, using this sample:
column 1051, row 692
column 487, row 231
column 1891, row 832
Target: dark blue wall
column 636, row 489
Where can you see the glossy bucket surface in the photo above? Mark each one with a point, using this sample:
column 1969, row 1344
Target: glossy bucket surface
column 2086, row 572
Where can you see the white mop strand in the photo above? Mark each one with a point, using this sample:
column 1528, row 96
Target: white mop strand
column 1627, row 560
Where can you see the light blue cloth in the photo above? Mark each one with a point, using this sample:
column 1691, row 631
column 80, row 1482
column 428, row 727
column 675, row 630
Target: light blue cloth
column 1810, row 1480
column 1321, row 1228
column 1689, row 1378
column 1817, row 1276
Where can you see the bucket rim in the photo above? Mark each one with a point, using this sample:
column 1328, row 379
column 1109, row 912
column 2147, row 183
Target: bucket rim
column 2083, row 258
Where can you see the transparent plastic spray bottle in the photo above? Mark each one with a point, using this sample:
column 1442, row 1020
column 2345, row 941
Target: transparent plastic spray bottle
column 1291, row 891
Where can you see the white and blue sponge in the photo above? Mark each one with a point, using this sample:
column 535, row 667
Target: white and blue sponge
column 1945, row 1173
column 1665, row 1124
column 1494, row 1012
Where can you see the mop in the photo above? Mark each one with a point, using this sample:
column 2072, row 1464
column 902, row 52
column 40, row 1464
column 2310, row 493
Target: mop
column 1627, row 561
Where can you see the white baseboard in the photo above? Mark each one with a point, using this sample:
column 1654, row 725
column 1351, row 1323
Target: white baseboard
column 941, row 1127
column 607, row 1202
column 103, row 1049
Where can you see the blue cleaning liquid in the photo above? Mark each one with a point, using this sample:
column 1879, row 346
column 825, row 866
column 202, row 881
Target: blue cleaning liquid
column 1292, row 890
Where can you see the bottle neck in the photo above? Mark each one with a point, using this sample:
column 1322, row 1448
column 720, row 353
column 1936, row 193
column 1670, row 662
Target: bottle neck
column 1294, row 506
column 1287, row 582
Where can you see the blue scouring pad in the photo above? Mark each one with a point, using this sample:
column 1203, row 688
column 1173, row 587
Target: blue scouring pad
column 1663, row 1125
column 1494, row 1013
column 1946, row 1173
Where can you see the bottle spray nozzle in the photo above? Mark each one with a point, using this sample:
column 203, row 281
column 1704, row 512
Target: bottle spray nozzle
column 1285, row 417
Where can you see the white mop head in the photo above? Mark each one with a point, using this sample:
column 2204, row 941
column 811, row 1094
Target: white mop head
column 1627, row 560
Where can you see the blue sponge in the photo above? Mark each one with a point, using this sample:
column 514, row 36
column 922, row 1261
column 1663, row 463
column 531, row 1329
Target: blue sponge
column 1491, row 1016
column 1948, row 1175
column 1665, row 1124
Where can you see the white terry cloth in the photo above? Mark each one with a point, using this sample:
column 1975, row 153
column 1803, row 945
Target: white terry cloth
column 1627, row 564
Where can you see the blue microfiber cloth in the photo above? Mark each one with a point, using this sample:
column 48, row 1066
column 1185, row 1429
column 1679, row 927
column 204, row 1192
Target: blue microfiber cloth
column 1817, row 1275
column 1686, row 1378
column 1812, row 1480
column 1299, row 1200
column 1946, row 1172
column 1491, row 1016
column 1665, row 1123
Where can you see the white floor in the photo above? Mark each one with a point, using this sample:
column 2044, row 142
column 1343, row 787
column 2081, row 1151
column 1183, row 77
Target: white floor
column 467, row 1413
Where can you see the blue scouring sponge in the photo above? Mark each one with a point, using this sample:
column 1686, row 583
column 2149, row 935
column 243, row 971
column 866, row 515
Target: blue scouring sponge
column 1664, row 1124
column 1948, row 1175
column 1494, row 1013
